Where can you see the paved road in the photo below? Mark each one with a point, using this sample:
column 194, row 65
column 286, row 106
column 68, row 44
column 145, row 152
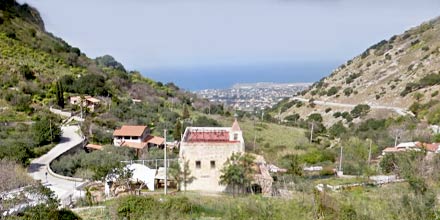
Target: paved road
column 64, row 189
column 400, row 111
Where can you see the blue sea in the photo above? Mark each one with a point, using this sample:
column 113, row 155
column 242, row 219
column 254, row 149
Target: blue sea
column 221, row 77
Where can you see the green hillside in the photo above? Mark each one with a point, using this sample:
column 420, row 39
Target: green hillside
column 39, row 70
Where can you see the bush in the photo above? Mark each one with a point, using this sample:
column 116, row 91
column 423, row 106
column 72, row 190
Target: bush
column 332, row 91
column 360, row 110
column 337, row 114
column 315, row 117
column 327, row 110
column 348, row 91
column 292, row 118
column 337, row 129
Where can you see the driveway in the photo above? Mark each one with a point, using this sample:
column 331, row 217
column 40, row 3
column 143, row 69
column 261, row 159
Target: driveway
column 64, row 187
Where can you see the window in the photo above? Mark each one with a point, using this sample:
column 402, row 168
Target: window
column 235, row 136
column 198, row 164
column 212, row 164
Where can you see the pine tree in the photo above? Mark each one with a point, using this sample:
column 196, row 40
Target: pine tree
column 60, row 94
column 185, row 112
column 177, row 130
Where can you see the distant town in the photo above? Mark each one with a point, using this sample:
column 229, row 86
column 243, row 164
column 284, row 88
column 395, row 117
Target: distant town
column 250, row 96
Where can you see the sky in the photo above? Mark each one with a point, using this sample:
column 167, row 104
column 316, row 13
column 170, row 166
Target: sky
column 159, row 35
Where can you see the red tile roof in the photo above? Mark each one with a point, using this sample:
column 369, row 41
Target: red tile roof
column 431, row 147
column 141, row 145
column 208, row 136
column 154, row 140
column 94, row 146
column 130, row 130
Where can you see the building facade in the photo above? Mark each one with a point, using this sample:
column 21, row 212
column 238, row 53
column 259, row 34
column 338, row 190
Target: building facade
column 206, row 149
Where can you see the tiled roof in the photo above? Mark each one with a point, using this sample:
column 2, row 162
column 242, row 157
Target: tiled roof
column 208, row 136
column 94, row 100
column 431, row 147
column 94, row 146
column 154, row 140
column 141, row 145
column 129, row 130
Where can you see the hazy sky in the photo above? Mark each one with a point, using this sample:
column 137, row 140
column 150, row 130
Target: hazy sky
column 147, row 34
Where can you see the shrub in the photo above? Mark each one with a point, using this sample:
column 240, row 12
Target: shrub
column 337, row 114
column 315, row 117
column 348, row 91
column 430, row 80
column 327, row 110
column 292, row 118
column 360, row 110
column 337, row 129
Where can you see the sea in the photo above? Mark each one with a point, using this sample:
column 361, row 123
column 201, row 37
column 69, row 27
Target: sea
column 222, row 77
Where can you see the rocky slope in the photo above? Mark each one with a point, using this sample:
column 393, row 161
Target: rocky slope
column 397, row 72
column 388, row 73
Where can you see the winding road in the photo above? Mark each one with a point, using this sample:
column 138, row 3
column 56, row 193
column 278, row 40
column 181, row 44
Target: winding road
column 400, row 111
column 65, row 188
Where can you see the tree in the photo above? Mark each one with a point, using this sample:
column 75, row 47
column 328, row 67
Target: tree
column 181, row 176
column 177, row 130
column 237, row 172
column 185, row 114
column 46, row 129
column 360, row 110
column 292, row 163
column 60, row 94
column 337, row 129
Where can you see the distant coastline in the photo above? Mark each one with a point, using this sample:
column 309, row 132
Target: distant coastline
column 224, row 77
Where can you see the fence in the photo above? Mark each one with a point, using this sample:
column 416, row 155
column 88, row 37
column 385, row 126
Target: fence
column 153, row 163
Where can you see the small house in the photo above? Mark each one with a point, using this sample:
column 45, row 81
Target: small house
column 136, row 137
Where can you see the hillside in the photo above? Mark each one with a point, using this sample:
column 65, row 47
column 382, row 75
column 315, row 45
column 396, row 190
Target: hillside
column 38, row 70
column 395, row 73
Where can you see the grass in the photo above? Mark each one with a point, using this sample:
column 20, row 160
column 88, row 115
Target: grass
column 271, row 140
column 219, row 207
column 341, row 181
column 374, row 201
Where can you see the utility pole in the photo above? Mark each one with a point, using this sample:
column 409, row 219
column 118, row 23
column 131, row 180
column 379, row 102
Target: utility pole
column 395, row 140
column 340, row 160
column 165, row 159
column 311, row 133
column 369, row 153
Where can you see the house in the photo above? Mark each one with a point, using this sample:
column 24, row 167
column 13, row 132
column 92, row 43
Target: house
column 402, row 147
column 136, row 137
column 417, row 146
column 206, row 149
column 431, row 148
column 88, row 101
